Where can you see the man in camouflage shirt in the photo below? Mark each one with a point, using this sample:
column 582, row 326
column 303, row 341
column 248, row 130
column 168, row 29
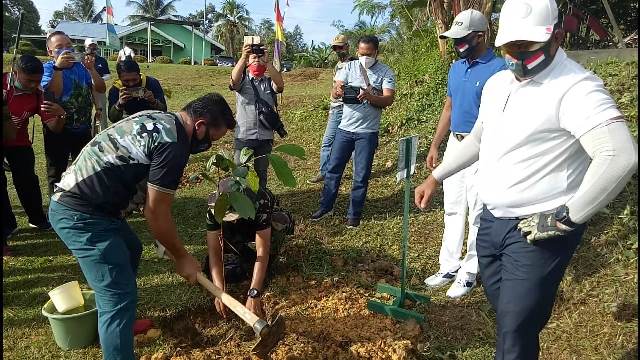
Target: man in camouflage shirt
column 137, row 162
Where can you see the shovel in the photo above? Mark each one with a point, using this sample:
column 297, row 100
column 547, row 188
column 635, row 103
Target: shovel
column 268, row 334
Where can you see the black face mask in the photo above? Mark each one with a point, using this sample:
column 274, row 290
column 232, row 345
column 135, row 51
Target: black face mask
column 199, row 145
column 465, row 46
column 527, row 64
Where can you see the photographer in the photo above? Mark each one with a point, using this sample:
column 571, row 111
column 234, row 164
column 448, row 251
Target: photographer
column 134, row 92
column 251, row 132
column 366, row 86
column 102, row 67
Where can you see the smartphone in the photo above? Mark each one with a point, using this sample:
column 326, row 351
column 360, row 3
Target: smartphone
column 250, row 40
column 136, row 91
column 48, row 96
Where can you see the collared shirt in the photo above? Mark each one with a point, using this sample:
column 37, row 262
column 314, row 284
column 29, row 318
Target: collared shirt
column 531, row 159
column 102, row 66
column 135, row 105
column 76, row 99
column 248, row 126
column 111, row 174
column 364, row 117
column 464, row 87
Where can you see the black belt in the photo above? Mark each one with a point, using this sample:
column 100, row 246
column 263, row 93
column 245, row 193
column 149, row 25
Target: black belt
column 459, row 136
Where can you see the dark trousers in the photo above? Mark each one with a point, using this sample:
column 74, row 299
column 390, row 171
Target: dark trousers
column 363, row 146
column 58, row 148
column 21, row 159
column 521, row 281
column 260, row 148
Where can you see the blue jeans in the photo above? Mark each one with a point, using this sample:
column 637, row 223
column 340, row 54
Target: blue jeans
column 335, row 116
column 363, row 146
column 108, row 252
column 521, row 281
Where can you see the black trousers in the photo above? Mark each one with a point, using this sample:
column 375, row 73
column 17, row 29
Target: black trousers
column 21, row 159
column 521, row 281
column 58, row 148
column 260, row 148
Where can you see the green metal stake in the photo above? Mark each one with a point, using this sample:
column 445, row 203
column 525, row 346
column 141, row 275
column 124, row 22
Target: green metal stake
column 396, row 310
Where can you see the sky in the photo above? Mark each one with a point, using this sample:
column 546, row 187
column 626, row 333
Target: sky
column 313, row 16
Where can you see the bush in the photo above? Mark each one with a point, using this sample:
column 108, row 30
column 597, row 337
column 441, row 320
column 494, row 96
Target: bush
column 210, row 62
column 26, row 48
column 140, row 58
column 163, row 60
column 185, row 61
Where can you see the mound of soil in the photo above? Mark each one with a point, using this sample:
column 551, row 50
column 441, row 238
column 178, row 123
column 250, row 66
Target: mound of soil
column 325, row 320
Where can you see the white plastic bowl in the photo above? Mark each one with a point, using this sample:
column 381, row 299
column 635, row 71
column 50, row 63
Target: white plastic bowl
column 67, row 297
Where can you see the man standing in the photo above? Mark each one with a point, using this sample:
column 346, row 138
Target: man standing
column 71, row 78
column 553, row 150
column 247, row 79
column 102, row 67
column 340, row 46
column 134, row 92
column 24, row 100
column 466, row 79
column 368, row 86
column 137, row 162
column 126, row 53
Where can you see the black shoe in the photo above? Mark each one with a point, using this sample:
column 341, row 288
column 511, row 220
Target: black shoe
column 353, row 223
column 42, row 226
column 318, row 179
column 320, row 214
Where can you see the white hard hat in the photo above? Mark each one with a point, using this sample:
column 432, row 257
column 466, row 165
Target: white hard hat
column 89, row 41
column 466, row 22
column 528, row 20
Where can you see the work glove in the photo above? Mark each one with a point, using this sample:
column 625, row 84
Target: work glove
column 541, row 226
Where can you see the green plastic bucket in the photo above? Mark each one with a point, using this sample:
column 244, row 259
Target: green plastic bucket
column 74, row 330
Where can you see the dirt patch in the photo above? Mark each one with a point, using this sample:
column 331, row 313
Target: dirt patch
column 303, row 75
column 324, row 320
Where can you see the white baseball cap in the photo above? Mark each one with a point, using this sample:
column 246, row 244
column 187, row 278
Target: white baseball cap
column 466, row 22
column 528, row 20
column 89, row 41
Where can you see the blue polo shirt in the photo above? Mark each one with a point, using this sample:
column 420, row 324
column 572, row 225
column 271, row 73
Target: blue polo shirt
column 464, row 87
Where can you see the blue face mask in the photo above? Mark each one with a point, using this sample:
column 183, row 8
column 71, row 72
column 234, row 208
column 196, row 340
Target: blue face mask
column 57, row 52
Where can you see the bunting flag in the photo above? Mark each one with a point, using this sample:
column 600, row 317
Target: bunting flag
column 279, row 38
column 112, row 38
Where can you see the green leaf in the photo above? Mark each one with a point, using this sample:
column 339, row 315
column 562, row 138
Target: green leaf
column 221, row 206
column 243, row 205
column 245, row 155
column 207, row 177
column 282, row 170
column 291, row 149
column 211, row 163
column 240, row 171
column 253, row 180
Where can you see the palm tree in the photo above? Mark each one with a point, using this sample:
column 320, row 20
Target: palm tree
column 83, row 10
column 232, row 21
column 150, row 8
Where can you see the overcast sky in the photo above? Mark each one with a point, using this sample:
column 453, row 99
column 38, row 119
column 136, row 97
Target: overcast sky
column 313, row 16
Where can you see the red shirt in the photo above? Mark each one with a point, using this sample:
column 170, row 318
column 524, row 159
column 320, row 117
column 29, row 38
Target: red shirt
column 22, row 106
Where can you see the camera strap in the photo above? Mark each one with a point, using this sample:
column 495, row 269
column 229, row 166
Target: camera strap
column 256, row 93
column 365, row 76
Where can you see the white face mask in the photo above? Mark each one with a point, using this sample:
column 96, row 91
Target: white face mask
column 367, row 61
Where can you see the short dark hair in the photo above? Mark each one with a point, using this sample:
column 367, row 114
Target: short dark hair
column 370, row 39
column 55, row 33
column 128, row 66
column 30, row 64
column 214, row 108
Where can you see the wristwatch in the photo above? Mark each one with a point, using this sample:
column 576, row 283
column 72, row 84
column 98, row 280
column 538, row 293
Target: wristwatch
column 254, row 293
column 562, row 216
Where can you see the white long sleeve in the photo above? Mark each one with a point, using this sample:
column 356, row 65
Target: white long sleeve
column 463, row 156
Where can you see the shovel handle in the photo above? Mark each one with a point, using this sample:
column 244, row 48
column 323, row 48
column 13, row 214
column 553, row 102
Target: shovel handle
column 235, row 306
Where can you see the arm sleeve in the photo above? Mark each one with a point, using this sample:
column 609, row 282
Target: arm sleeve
column 463, row 156
column 614, row 160
column 343, row 73
column 389, row 80
column 47, row 75
column 167, row 165
column 158, row 93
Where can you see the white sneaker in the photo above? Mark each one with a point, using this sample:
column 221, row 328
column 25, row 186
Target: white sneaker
column 462, row 286
column 440, row 278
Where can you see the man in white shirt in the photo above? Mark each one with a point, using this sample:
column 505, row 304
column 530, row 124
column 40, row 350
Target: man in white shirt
column 125, row 52
column 553, row 149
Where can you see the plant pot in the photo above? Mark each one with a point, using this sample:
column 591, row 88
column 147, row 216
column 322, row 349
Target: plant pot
column 74, row 331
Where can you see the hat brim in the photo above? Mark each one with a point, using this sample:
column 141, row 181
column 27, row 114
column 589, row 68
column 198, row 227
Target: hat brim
column 454, row 34
column 338, row 44
column 518, row 33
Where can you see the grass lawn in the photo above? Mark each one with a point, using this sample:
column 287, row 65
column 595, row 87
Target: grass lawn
column 326, row 272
